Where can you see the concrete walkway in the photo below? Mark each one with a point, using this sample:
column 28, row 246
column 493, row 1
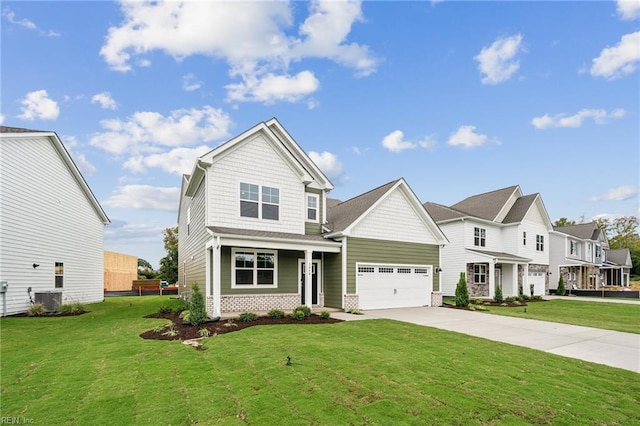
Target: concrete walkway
column 595, row 299
column 612, row 348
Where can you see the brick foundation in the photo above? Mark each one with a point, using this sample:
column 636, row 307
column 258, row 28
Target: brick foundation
column 351, row 301
column 259, row 302
column 436, row 298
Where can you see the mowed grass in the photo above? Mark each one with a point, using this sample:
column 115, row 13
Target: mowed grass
column 95, row 369
column 610, row 316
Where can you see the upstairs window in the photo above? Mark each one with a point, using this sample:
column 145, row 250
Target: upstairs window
column 573, row 248
column 539, row 242
column 312, row 208
column 59, row 274
column 524, row 238
column 259, row 202
column 479, row 237
column 188, row 220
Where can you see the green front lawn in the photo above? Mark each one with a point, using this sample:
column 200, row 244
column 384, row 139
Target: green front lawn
column 94, row 369
column 610, row 316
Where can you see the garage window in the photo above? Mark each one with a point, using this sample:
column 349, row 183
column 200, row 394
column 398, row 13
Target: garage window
column 404, row 270
column 366, row 269
column 385, row 270
column 421, row 271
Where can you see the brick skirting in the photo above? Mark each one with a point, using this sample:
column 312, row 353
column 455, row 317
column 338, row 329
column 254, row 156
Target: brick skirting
column 259, row 302
column 351, row 301
column 436, row 298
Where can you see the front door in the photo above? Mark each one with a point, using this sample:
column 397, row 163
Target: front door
column 314, row 281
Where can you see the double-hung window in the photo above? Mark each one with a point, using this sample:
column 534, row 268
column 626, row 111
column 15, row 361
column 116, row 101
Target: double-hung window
column 524, row 238
column 573, row 248
column 479, row 237
column 259, row 202
column 539, row 242
column 479, row 273
column 312, row 207
column 59, row 274
column 254, row 268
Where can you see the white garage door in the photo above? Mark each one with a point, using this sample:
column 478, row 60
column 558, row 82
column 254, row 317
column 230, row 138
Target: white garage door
column 537, row 279
column 393, row 286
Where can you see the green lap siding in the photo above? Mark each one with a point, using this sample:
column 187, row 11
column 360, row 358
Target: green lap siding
column 333, row 280
column 287, row 274
column 361, row 250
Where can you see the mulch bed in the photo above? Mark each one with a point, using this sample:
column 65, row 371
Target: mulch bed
column 188, row 332
column 49, row 314
column 487, row 302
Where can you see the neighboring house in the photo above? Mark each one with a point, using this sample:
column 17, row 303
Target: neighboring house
column 617, row 267
column 496, row 238
column 258, row 232
column 120, row 270
column 579, row 252
column 51, row 225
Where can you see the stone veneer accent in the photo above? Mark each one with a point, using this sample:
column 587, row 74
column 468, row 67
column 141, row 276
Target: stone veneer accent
column 209, row 302
column 477, row 289
column 351, row 301
column 259, row 302
column 436, row 298
column 545, row 270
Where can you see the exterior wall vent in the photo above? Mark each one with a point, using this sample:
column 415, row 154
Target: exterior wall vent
column 50, row 299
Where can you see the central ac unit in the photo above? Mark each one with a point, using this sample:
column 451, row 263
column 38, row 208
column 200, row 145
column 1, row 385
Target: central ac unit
column 50, row 299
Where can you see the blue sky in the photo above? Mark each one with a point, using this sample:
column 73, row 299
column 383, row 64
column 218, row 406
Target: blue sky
column 459, row 98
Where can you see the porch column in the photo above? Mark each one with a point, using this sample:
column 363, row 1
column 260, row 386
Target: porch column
column 514, row 279
column 216, row 277
column 492, row 279
column 308, row 269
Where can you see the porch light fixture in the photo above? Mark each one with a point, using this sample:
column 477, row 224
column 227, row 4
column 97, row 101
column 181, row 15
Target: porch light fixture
column 438, row 269
column 35, row 265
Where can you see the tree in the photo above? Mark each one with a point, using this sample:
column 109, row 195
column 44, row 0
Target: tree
column 197, row 308
column 561, row 289
column 462, row 292
column 563, row 221
column 169, row 264
column 145, row 270
column 622, row 232
column 498, row 295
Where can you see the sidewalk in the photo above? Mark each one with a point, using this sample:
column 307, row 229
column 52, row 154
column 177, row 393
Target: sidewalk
column 612, row 348
column 595, row 299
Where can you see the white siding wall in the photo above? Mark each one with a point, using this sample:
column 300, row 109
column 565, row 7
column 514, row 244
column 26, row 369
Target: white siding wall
column 557, row 257
column 453, row 259
column 394, row 219
column 255, row 162
column 45, row 218
column 493, row 236
column 192, row 241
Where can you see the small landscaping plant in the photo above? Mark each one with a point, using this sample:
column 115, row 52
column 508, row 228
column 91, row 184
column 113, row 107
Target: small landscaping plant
column 462, row 292
column 185, row 315
column 325, row 315
column 230, row 323
column 36, row 310
column 531, row 289
column 204, row 332
column 354, row 311
column 561, row 291
column 171, row 331
column 498, row 296
column 276, row 314
column 298, row 314
column 247, row 317
column 164, row 309
column 305, row 309
column 73, row 308
column 197, row 308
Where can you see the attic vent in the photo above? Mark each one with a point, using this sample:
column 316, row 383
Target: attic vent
column 50, row 299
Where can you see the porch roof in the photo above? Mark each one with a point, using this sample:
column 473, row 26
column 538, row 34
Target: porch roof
column 503, row 257
column 275, row 240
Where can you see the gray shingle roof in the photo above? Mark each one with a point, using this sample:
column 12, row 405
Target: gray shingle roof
column 438, row 212
column 332, row 202
column 520, row 209
column 7, row 129
column 584, row 231
column 502, row 255
column 340, row 216
column 618, row 256
column 487, row 205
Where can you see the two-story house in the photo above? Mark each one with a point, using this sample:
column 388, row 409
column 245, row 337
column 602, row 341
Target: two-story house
column 257, row 231
column 617, row 267
column 51, row 225
column 578, row 252
column 499, row 238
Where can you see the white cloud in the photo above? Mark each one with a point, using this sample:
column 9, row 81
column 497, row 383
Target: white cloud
column 85, row 166
column 328, row 163
column 144, row 197
column 120, row 230
column 190, row 82
column 497, row 62
column 621, row 193
column 105, row 100
column 599, row 116
column 38, row 105
column 467, row 137
column 2, row 118
column 177, row 161
column 395, row 142
column 619, row 60
column 272, row 88
column 257, row 40
column 150, row 132
column 10, row 16
column 628, row 9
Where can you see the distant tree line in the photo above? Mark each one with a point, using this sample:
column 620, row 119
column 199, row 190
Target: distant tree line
column 168, row 270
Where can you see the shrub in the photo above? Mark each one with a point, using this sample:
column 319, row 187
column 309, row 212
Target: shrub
column 73, row 308
column 164, row 309
column 204, row 332
column 197, row 308
column 171, row 332
column 185, row 315
column 325, row 315
column 354, row 311
column 275, row 313
column 36, row 309
column 298, row 314
column 462, row 292
column 247, row 317
column 531, row 289
column 498, row 295
column 561, row 291
column 230, row 323
column 178, row 310
column 305, row 310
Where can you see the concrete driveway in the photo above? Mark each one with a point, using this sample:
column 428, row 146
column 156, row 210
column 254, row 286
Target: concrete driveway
column 613, row 348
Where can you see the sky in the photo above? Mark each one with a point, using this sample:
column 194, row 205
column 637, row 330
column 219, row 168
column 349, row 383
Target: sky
column 458, row 98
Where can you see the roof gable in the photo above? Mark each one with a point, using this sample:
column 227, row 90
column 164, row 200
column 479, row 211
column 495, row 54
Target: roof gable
column 15, row 132
column 621, row 257
column 489, row 205
column 583, row 231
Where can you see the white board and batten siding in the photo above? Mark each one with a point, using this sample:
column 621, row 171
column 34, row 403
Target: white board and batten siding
column 255, row 162
column 46, row 217
column 394, row 219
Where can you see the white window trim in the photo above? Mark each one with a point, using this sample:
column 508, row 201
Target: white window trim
column 259, row 202
column 306, row 207
column 255, row 269
column 481, row 273
column 540, row 243
column 482, row 237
